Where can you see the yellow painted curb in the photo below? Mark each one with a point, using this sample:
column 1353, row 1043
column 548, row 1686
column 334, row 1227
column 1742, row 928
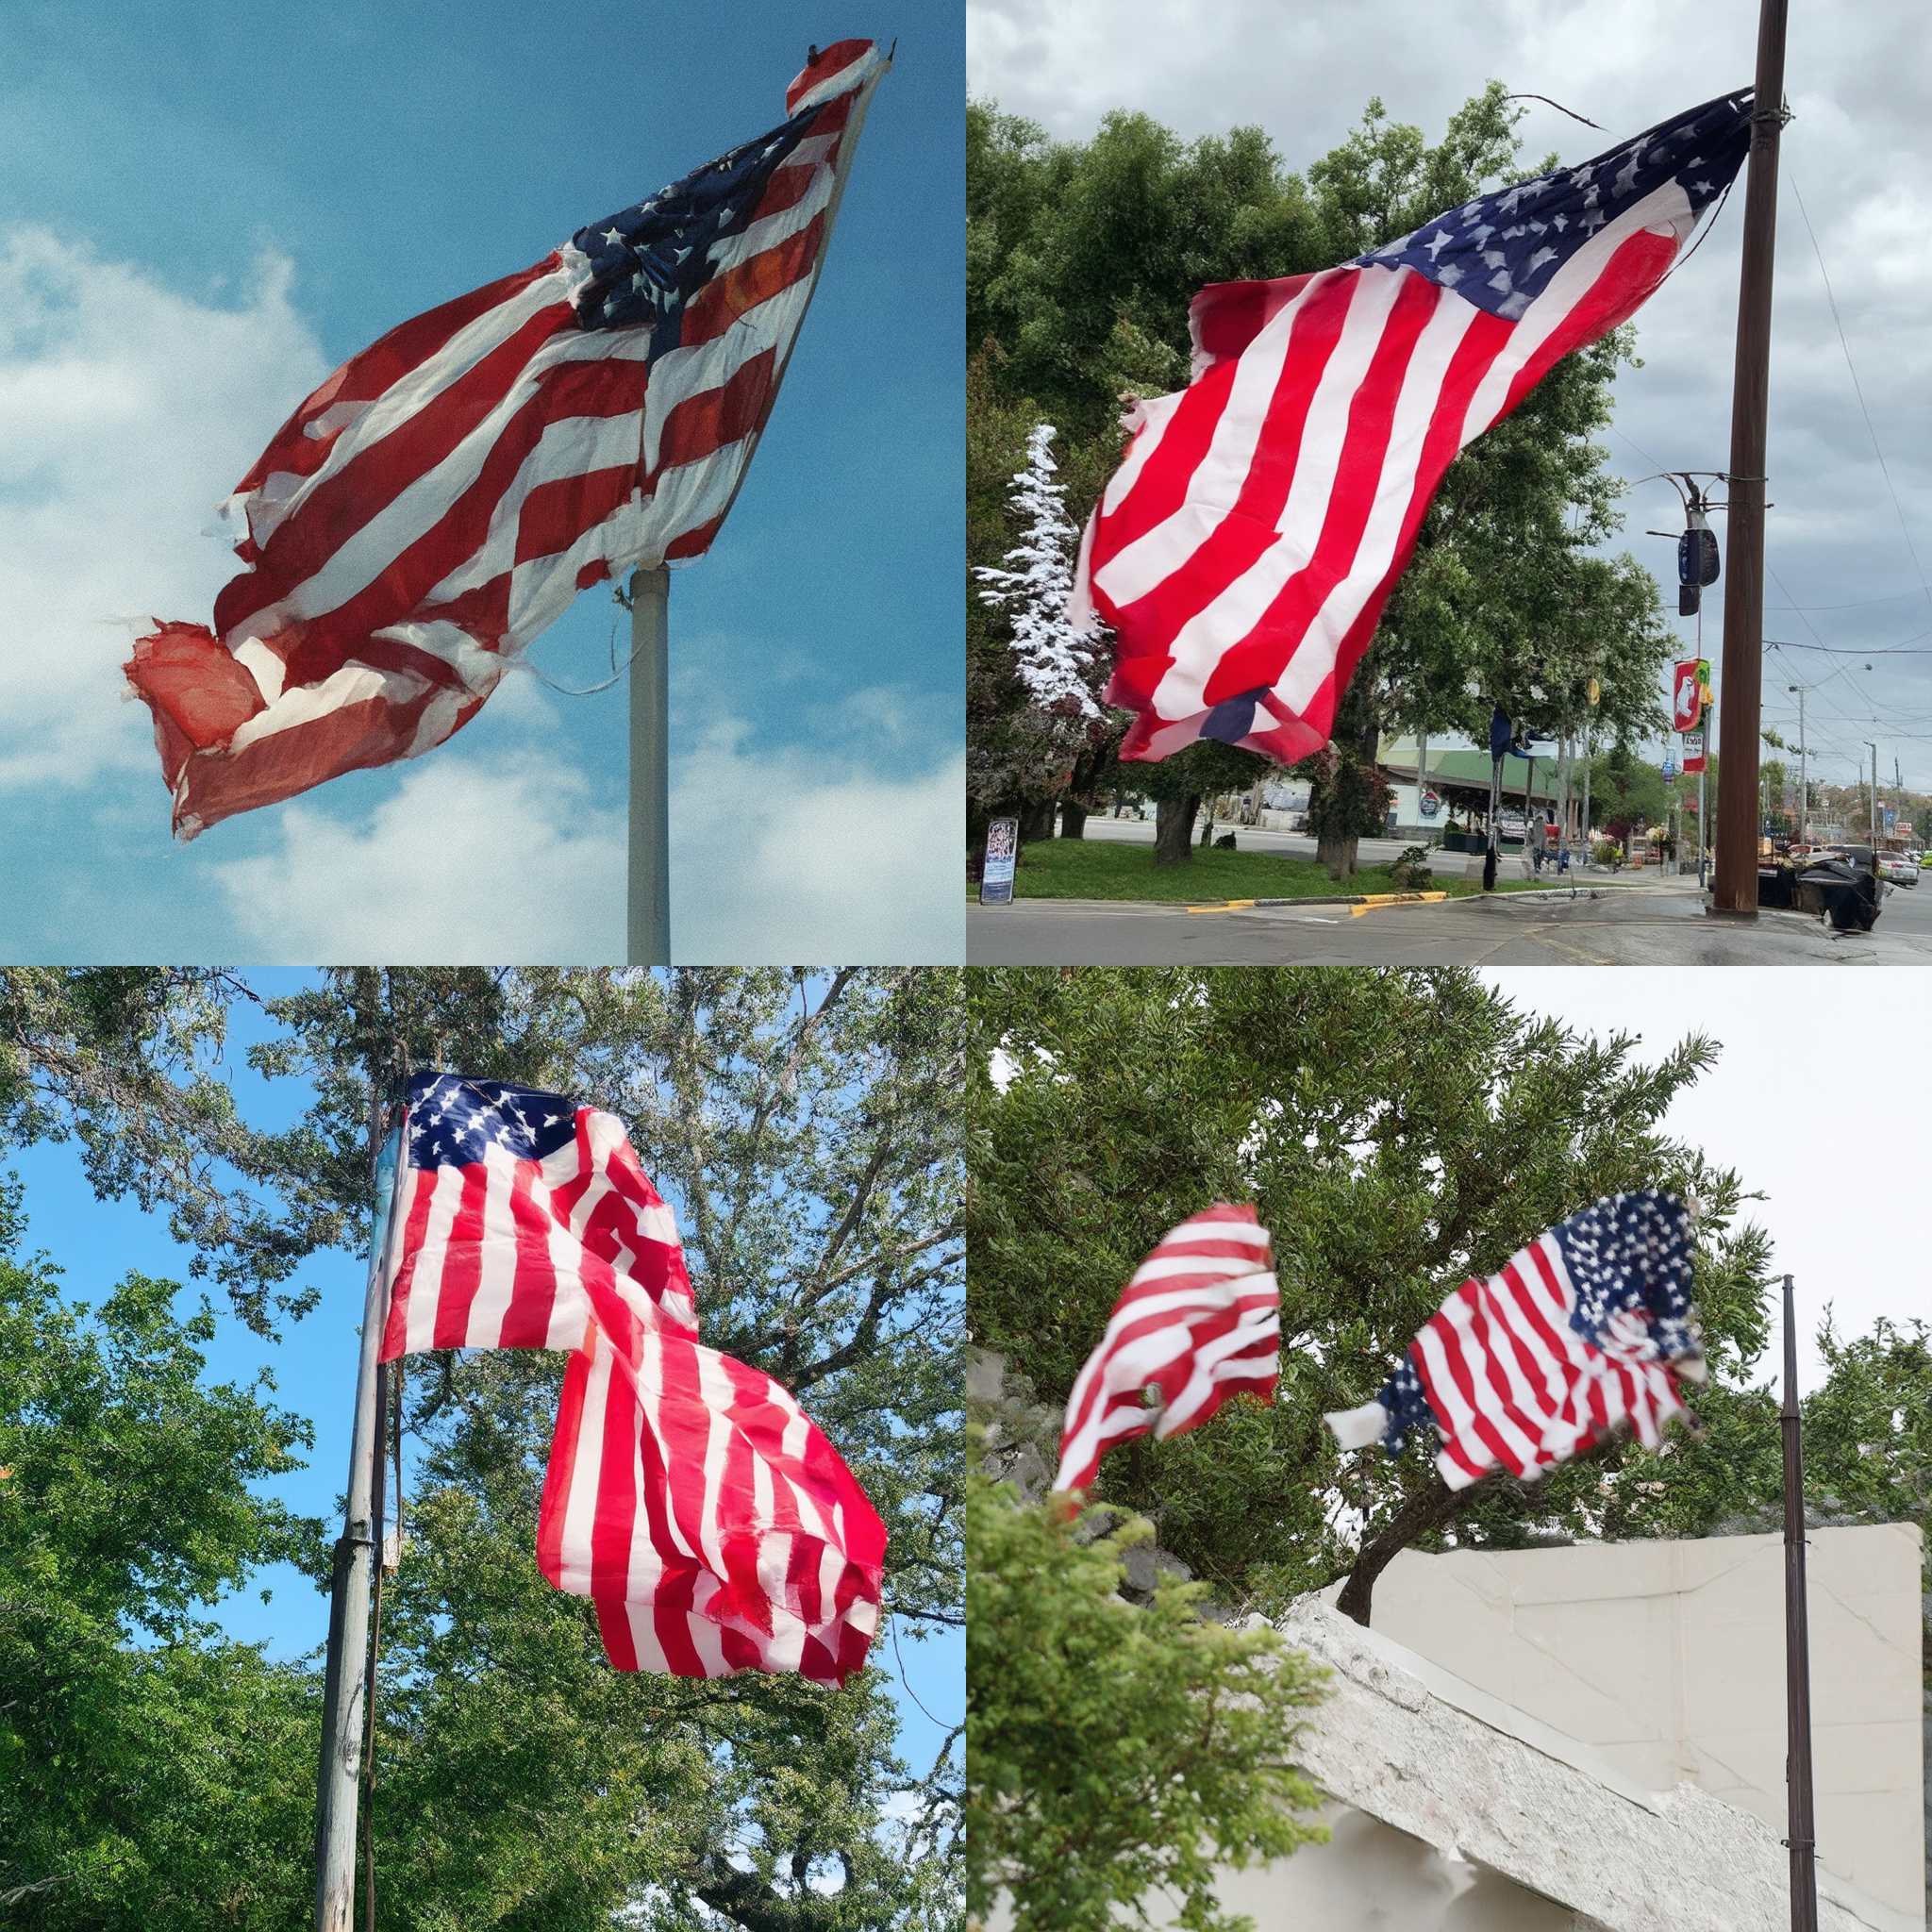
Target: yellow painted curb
column 1226, row 906
column 1377, row 899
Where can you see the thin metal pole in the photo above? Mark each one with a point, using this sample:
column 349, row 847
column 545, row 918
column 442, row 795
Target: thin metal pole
column 1804, row 786
column 1586, row 790
column 344, row 1685
column 1797, row 1653
column 1735, row 886
column 649, row 936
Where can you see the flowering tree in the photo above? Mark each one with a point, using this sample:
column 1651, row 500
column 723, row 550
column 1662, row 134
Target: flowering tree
column 1057, row 658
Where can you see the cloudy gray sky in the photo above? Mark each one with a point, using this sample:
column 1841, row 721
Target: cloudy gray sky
column 1860, row 151
column 1818, row 1101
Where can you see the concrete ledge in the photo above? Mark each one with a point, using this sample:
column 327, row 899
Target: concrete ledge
column 1477, row 1780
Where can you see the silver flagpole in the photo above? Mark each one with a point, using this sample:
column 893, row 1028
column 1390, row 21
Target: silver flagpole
column 343, row 1710
column 648, row 935
column 649, row 919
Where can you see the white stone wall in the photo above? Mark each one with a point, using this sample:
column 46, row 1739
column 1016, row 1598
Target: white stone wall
column 1668, row 1659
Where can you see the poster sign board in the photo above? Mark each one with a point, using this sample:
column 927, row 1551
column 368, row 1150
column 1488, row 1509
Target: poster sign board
column 1002, row 852
column 1694, row 751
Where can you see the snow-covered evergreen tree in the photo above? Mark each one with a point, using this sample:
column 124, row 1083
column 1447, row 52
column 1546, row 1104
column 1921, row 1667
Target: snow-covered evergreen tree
column 1058, row 661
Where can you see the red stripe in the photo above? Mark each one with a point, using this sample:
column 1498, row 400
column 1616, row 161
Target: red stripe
column 561, row 1474
column 345, row 502
column 533, row 1277
column 462, row 1266
column 738, row 291
column 421, row 1184
column 365, row 376
column 704, row 423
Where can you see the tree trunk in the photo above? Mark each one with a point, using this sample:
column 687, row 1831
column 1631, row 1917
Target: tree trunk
column 1036, row 821
column 1173, row 829
column 1421, row 1513
column 1073, row 820
column 1337, row 851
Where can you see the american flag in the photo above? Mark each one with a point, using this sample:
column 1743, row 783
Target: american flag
column 712, row 1525
column 444, row 497
column 1245, row 548
column 1199, row 1323
column 1586, row 1331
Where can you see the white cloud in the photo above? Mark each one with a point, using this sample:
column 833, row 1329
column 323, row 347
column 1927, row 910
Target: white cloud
column 788, row 854
column 127, row 411
column 510, row 862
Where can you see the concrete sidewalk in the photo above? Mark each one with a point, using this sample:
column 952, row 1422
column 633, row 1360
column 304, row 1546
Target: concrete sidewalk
column 1662, row 924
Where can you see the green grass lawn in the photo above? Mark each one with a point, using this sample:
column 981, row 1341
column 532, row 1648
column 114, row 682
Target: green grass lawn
column 1110, row 869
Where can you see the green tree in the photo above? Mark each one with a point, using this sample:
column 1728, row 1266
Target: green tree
column 1397, row 1131
column 807, row 1122
column 1118, row 1752
column 152, row 1773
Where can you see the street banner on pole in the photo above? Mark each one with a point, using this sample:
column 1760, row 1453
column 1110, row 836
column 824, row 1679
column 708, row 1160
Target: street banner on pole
column 444, row 497
column 1002, row 856
column 1694, row 751
column 1244, row 551
column 1690, row 693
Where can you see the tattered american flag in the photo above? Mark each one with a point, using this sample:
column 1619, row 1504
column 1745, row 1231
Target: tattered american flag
column 444, row 497
column 1584, row 1332
column 1198, row 1323
column 1244, row 550
column 710, row 1521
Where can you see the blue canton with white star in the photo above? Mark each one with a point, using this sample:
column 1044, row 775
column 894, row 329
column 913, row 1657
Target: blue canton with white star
column 1631, row 1254
column 453, row 1121
column 647, row 262
column 1499, row 250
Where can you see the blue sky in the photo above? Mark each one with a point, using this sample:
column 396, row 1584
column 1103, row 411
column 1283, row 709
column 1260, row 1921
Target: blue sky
column 314, row 1369
column 203, row 215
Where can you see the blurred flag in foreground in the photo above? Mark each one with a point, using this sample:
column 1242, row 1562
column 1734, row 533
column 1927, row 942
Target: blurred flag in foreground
column 441, row 499
column 688, row 1496
column 1587, row 1331
column 1199, row 1323
column 1243, row 551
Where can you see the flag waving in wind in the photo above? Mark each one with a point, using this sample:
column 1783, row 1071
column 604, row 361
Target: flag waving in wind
column 443, row 497
column 1199, row 1323
column 709, row 1519
column 1587, row 1331
column 1245, row 548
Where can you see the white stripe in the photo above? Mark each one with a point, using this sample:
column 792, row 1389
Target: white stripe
column 580, row 1503
column 497, row 1257
column 354, row 565
column 1148, row 423
column 1396, row 482
column 1158, row 1267
column 1169, row 546
column 1665, row 206
column 1249, row 1232
column 425, row 1285
column 571, row 446
column 1244, row 1350
column 415, row 390
column 353, row 683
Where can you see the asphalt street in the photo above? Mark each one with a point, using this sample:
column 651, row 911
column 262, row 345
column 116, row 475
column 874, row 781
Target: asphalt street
column 1660, row 925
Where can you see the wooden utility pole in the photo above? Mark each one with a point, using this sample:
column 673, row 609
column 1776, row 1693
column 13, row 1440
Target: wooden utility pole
column 1734, row 890
column 1800, row 1830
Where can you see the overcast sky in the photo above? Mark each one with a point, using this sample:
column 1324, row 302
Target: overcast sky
column 1860, row 151
column 200, row 216
column 1818, row 1102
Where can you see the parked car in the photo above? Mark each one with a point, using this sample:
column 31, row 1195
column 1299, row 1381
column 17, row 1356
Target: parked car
column 1901, row 868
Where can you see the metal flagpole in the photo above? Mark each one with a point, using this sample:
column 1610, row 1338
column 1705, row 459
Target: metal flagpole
column 343, row 1690
column 1797, row 1653
column 649, row 921
column 1735, row 888
column 648, row 938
